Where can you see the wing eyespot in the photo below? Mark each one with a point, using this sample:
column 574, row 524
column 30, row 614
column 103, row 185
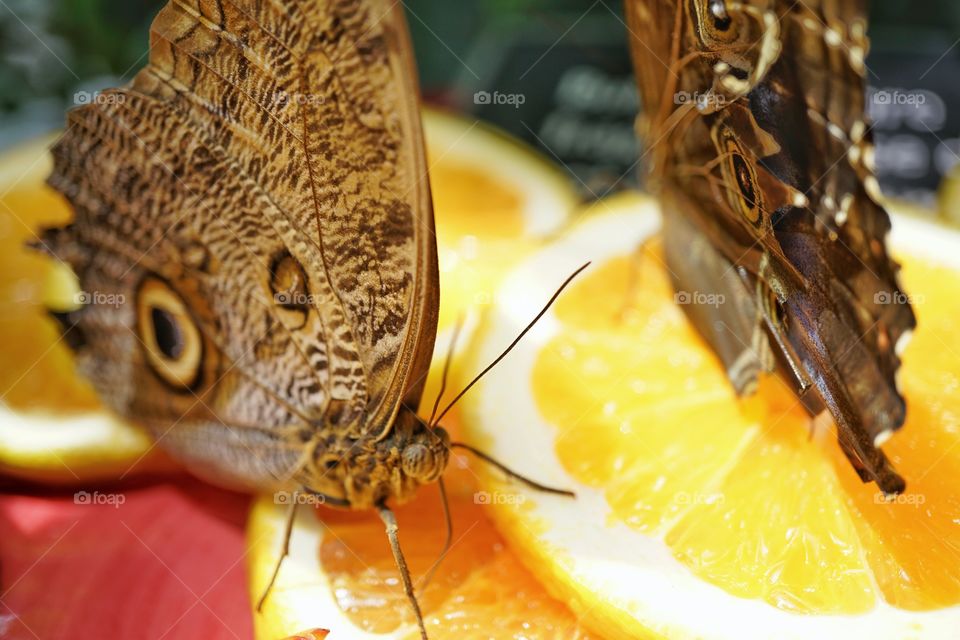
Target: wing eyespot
column 739, row 176
column 746, row 200
column 290, row 290
column 721, row 19
column 715, row 27
column 169, row 335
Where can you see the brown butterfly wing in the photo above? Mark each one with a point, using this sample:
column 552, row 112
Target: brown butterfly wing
column 766, row 158
column 267, row 167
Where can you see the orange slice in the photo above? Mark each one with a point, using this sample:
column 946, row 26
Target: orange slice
column 699, row 514
column 340, row 574
column 495, row 200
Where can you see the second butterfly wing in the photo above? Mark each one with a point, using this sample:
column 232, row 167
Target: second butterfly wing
column 761, row 153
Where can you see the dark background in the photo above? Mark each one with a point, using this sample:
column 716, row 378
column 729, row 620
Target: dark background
column 559, row 68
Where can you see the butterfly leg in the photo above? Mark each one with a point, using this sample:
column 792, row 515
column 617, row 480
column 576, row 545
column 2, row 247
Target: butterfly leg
column 287, row 532
column 295, row 499
column 447, row 541
column 390, row 521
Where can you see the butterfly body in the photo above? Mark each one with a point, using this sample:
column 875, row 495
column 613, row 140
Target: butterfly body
column 762, row 156
column 257, row 200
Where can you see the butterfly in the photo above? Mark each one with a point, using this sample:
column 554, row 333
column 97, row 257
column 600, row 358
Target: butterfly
column 762, row 156
column 254, row 226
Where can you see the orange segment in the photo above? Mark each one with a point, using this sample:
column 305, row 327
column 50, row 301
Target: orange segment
column 661, row 437
column 480, row 590
column 672, row 447
column 52, row 426
column 691, row 499
column 776, row 527
column 621, row 420
column 34, row 368
column 494, row 200
column 479, row 224
column 914, row 543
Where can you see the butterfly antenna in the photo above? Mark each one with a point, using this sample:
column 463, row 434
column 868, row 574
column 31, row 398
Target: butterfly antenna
column 446, row 370
column 516, row 340
column 425, row 580
column 287, row 532
column 510, row 472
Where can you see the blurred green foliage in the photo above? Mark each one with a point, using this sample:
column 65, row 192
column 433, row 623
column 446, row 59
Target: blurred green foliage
column 53, row 48
column 50, row 48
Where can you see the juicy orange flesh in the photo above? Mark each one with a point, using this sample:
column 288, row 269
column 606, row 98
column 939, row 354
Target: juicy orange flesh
column 480, row 590
column 479, row 222
column 36, row 368
column 741, row 490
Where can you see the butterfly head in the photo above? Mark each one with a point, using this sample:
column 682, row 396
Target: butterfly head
column 425, row 458
column 424, row 451
column 367, row 472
